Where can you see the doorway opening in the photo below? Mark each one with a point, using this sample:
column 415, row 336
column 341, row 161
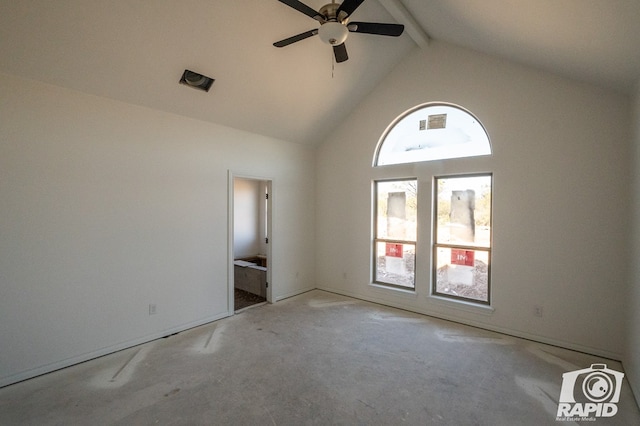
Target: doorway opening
column 250, row 250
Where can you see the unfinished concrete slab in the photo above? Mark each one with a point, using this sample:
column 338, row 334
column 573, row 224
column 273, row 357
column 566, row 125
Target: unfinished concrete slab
column 314, row 359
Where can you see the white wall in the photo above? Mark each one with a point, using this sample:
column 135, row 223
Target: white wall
column 561, row 196
column 631, row 358
column 106, row 208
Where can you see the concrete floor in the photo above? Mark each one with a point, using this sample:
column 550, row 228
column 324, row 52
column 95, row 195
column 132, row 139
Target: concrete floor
column 314, row 359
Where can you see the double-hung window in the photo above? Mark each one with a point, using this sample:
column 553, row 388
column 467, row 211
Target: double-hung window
column 396, row 217
column 462, row 237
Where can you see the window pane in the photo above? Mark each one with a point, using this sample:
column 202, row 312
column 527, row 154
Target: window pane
column 462, row 273
column 433, row 132
column 395, row 263
column 397, row 210
column 464, row 210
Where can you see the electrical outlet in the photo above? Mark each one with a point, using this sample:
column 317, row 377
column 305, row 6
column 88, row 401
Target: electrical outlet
column 537, row 311
column 152, row 309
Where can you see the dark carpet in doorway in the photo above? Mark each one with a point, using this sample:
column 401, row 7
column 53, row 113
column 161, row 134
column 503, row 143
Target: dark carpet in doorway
column 244, row 298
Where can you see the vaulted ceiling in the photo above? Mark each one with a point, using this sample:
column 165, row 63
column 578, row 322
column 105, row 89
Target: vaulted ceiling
column 136, row 50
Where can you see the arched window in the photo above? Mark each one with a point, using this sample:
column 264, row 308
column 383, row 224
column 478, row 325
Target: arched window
column 461, row 241
column 432, row 131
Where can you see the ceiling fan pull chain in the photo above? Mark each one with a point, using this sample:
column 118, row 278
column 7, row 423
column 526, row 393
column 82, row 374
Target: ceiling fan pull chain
column 333, row 64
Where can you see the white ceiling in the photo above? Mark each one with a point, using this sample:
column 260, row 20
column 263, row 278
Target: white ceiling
column 136, row 50
column 597, row 41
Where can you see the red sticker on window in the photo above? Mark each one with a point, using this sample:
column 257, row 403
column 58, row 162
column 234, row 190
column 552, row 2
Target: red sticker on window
column 462, row 257
column 393, row 250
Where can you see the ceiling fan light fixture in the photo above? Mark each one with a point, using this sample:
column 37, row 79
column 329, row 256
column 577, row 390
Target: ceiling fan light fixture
column 197, row 81
column 333, row 33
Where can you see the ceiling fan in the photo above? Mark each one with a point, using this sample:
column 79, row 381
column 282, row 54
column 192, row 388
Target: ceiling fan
column 335, row 26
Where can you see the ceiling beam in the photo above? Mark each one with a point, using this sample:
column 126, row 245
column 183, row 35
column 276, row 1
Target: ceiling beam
column 411, row 26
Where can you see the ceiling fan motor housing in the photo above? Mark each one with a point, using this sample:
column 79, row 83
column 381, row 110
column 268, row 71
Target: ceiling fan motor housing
column 330, row 11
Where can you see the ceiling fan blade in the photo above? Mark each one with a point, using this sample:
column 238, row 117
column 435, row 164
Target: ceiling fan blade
column 301, row 7
column 393, row 30
column 340, row 52
column 348, row 7
column 293, row 39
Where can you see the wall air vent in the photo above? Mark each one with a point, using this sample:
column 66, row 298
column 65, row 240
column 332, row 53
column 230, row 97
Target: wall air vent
column 197, row 81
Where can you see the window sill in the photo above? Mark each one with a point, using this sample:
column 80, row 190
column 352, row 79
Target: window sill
column 463, row 305
column 396, row 290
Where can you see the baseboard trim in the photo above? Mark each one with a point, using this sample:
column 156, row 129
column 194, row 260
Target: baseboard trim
column 294, row 293
column 68, row 362
column 503, row 330
column 48, row 368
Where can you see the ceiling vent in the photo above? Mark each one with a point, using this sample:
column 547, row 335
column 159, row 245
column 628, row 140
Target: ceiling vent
column 197, row 81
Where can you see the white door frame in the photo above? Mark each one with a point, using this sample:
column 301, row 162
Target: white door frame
column 230, row 253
